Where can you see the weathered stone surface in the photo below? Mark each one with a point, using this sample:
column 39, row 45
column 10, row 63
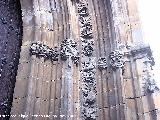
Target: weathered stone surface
column 100, row 85
column 148, row 103
column 129, row 89
column 10, row 43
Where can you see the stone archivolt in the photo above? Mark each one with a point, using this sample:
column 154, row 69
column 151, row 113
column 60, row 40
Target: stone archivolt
column 88, row 101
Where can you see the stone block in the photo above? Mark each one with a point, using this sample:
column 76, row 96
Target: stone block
column 131, row 105
column 18, row 108
column 113, row 113
column 112, row 98
column 100, row 114
column 127, row 71
column 20, row 89
column 150, row 115
column 110, row 81
column 23, row 68
column 25, row 54
column 158, row 115
column 130, row 115
column 106, row 113
column 28, row 37
column 139, row 105
column 140, row 66
column 41, row 107
column 128, row 88
column 156, row 98
column 105, row 99
column 148, row 103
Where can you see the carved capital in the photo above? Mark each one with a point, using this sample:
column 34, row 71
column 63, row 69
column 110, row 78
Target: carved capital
column 69, row 49
column 142, row 52
column 117, row 59
column 102, row 63
column 41, row 50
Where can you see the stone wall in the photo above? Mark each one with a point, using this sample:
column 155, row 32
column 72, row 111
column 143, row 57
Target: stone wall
column 10, row 44
column 83, row 59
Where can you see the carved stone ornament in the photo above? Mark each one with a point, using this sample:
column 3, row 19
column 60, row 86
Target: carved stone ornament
column 149, row 84
column 117, row 59
column 77, row 1
column 88, row 63
column 41, row 50
column 69, row 49
column 83, row 10
column 88, row 50
column 102, row 63
column 143, row 52
column 89, row 105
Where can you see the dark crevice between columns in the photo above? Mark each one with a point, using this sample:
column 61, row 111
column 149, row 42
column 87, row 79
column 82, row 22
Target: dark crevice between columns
column 10, row 44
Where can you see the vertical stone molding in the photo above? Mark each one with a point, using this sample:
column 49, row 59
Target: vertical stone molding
column 67, row 49
column 120, row 19
column 88, row 63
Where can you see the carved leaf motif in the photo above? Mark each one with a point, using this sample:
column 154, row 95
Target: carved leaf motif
column 102, row 63
column 149, row 84
column 83, row 10
column 41, row 50
column 69, row 49
column 117, row 59
column 88, row 50
column 88, row 63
